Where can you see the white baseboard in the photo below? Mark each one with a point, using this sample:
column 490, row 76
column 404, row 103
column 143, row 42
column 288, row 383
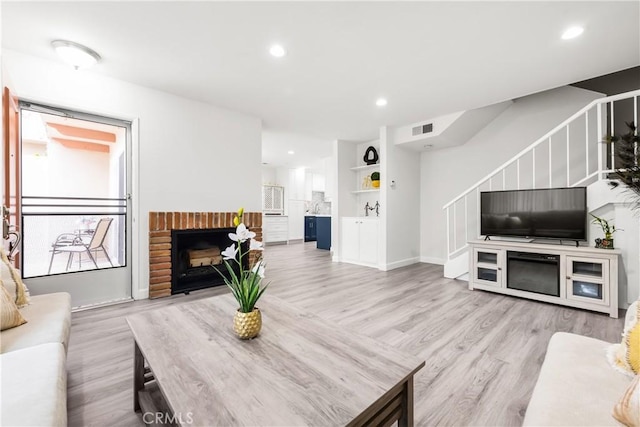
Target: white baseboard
column 432, row 260
column 399, row 264
column 362, row 264
column 335, row 258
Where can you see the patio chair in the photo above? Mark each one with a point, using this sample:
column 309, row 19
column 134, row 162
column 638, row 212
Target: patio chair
column 72, row 243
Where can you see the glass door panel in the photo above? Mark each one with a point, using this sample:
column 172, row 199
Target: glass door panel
column 75, row 205
column 586, row 280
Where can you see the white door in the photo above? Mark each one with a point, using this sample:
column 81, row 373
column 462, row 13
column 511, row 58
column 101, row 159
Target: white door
column 75, row 202
column 369, row 241
column 350, row 241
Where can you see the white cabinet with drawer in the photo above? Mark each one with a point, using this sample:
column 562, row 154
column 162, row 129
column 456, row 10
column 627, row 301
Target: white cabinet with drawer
column 275, row 228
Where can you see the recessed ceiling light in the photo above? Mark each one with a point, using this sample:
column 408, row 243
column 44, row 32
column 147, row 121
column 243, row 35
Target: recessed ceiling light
column 75, row 54
column 572, row 33
column 381, row 102
column 277, row 50
column 291, row 152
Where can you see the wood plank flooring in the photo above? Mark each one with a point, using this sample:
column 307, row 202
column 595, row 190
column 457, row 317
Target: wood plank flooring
column 483, row 351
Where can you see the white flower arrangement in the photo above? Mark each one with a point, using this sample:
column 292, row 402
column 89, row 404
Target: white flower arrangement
column 245, row 284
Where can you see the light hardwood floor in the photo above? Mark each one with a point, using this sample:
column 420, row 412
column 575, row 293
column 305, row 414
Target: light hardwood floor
column 483, row 351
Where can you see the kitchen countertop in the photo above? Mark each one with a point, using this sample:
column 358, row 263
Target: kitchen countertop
column 317, row 215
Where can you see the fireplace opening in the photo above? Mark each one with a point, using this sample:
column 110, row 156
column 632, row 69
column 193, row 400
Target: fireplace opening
column 193, row 252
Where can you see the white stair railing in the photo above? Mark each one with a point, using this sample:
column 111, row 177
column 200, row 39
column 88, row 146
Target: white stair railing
column 569, row 155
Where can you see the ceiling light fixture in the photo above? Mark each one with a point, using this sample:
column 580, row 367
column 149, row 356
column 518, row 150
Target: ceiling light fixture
column 277, row 51
column 572, row 33
column 381, row 102
column 75, row 54
column 291, row 152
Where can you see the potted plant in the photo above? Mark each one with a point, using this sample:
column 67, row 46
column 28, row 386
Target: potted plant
column 607, row 229
column 375, row 179
column 245, row 283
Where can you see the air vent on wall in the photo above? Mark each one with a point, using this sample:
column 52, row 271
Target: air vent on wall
column 422, row 129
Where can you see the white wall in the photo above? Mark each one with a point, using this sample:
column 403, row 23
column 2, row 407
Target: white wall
column 448, row 172
column 343, row 202
column 401, row 203
column 614, row 206
column 188, row 153
column 268, row 176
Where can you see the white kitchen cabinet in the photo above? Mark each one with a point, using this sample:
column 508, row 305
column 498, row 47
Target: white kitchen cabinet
column 359, row 241
column 296, row 219
column 275, row 229
column 273, row 199
column 318, row 182
column 308, row 185
column 296, row 184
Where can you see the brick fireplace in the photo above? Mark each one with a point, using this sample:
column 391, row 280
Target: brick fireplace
column 160, row 226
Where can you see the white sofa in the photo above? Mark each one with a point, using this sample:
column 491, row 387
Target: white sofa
column 33, row 364
column 577, row 386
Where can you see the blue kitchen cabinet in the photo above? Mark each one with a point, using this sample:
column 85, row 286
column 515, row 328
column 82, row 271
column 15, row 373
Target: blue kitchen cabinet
column 310, row 229
column 323, row 232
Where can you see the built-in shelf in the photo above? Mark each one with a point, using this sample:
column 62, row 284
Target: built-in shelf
column 365, row 167
column 374, row 190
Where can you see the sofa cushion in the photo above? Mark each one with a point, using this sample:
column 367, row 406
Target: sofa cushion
column 48, row 321
column 576, row 385
column 34, row 386
column 626, row 355
column 627, row 410
column 10, row 316
column 12, row 281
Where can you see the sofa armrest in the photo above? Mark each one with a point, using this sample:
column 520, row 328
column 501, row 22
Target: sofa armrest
column 576, row 385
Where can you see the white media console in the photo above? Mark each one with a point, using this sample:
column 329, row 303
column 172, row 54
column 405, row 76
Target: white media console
column 581, row 277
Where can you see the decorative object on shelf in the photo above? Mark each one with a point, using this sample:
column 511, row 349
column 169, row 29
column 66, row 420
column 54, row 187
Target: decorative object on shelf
column 627, row 171
column 377, row 208
column 608, row 230
column 375, row 179
column 366, row 183
column 371, row 156
column 245, row 284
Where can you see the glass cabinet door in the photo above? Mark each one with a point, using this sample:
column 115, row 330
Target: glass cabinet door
column 488, row 266
column 587, row 280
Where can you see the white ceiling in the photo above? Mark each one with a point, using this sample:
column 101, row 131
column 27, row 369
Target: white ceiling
column 308, row 151
column 426, row 58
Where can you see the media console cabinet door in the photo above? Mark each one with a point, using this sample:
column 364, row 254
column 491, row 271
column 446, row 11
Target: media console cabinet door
column 488, row 266
column 587, row 280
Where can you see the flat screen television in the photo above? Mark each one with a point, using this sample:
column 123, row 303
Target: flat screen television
column 554, row 213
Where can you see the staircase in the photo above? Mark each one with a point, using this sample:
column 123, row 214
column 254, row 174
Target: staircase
column 572, row 154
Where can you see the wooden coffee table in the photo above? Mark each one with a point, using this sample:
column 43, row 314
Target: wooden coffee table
column 300, row 370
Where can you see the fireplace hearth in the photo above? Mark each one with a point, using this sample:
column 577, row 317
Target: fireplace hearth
column 196, row 260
